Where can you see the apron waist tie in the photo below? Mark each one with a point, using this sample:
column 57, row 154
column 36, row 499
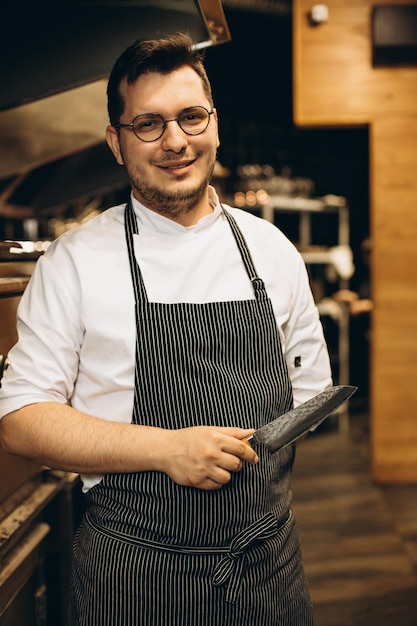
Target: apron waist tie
column 229, row 570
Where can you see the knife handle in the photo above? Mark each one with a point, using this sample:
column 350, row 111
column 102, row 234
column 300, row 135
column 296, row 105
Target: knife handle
column 250, row 441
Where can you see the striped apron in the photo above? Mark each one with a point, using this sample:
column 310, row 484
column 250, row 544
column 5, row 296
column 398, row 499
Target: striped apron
column 153, row 553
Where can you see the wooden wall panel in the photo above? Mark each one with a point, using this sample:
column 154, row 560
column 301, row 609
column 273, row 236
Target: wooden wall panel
column 336, row 85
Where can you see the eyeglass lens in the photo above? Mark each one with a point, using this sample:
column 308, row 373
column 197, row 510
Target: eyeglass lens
column 150, row 126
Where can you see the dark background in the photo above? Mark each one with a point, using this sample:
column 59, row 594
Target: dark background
column 251, row 78
column 252, row 87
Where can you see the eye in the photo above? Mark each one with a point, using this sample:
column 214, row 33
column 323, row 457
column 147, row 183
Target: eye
column 148, row 123
column 193, row 116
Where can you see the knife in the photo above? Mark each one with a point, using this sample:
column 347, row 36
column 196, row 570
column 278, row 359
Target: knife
column 291, row 425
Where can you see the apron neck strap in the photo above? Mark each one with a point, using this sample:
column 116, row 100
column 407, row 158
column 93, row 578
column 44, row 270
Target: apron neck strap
column 131, row 228
column 257, row 283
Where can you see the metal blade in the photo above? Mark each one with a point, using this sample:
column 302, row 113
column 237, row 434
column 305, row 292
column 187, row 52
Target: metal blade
column 293, row 424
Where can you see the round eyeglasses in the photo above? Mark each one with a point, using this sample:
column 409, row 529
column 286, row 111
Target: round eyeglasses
column 151, row 126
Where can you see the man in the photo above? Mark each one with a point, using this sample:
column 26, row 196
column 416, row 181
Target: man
column 153, row 339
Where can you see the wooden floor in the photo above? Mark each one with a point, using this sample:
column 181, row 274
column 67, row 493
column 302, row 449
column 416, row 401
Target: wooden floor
column 359, row 540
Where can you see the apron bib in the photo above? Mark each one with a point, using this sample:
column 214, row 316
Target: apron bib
column 154, row 553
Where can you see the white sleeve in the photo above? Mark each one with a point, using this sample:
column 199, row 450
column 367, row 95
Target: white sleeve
column 284, row 272
column 43, row 364
column 305, row 347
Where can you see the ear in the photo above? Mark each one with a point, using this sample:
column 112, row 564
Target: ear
column 112, row 138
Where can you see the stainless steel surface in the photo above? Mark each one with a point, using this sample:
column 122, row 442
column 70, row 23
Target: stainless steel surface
column 50, row 47
column 56, row 58
column 272, row 7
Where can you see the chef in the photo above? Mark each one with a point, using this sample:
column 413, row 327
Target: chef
column 152, row 340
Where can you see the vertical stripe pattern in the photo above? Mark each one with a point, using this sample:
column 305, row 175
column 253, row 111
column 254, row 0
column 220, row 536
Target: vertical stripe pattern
column 155, row 553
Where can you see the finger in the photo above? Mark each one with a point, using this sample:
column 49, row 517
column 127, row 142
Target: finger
column 237, row 433
column 231, row 463
column 220, row 476
column 240, row 449
column 237, row 465
column 212, row 485
column 248, row 453
column 235, row 443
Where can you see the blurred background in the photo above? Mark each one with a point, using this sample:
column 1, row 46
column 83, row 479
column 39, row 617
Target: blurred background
column 317, row 108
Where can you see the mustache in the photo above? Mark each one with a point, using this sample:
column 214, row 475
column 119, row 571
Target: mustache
column 174, row 158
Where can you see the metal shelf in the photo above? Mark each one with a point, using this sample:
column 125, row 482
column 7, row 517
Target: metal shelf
column 306, row 208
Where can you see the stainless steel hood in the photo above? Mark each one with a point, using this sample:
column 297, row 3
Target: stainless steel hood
column 55, row 60
column 48, row 46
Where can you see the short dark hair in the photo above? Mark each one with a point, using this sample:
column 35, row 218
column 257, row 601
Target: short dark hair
column 153, row 55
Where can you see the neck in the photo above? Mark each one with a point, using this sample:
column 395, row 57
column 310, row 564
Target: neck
column 181, row 210
column 191, row 217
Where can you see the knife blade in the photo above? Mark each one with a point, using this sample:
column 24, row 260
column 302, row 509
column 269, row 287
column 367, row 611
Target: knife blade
column 291, row 425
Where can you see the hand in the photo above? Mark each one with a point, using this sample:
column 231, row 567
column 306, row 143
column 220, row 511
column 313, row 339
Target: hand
column 205, row 456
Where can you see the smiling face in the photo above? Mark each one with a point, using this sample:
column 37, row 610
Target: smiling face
column 169, row 175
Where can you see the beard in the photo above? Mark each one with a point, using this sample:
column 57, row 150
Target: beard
column 169, row 203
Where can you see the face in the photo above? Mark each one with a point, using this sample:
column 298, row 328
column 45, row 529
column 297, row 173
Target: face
column 169, row 175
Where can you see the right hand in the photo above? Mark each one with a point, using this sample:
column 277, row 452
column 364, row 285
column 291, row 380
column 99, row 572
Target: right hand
column 205, row 457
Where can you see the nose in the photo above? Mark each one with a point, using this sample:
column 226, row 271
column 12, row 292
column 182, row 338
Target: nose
column 174, row 137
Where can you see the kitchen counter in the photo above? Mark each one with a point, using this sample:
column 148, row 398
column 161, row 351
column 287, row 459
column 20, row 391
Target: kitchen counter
column 12, row 285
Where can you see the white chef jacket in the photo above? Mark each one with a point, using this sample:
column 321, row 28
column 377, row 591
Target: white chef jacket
column 76, row 319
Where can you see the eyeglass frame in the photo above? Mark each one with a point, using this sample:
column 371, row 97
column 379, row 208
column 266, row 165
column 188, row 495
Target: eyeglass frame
column 165, row 122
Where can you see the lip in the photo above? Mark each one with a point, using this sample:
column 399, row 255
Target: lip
column 175, row 167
